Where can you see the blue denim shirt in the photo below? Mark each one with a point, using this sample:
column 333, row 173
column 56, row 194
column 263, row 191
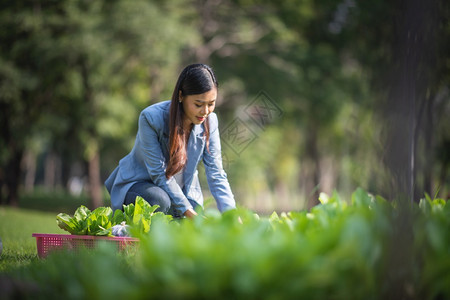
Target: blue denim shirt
column 148, row 159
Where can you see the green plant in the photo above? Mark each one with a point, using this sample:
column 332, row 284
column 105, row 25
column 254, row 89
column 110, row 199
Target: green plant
column 337, row 250
column 100, row 221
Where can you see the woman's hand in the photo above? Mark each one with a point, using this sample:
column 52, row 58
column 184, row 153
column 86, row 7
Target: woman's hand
column 190, row 213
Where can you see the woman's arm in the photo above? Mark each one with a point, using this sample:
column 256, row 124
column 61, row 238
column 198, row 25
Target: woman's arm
column 215, row 174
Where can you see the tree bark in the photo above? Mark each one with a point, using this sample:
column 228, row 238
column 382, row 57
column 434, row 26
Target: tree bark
column 91, row 144
column 2, row 185
column 11, row 153
column 12, row 178
column 428, row 143
column 312, row 154
column 408, row 81
column 29, row 166
column 95, row 185
column 50, row 171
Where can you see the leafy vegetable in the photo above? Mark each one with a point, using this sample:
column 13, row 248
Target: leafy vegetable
column 143, row 214
column 85, row 222
column 77, row 223
column 100, row 221
column 336, row 250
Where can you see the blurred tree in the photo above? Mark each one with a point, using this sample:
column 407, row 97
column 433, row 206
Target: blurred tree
column 91, row 62
column 124, row 54
column 75, row 74
column 337, row 47
column 292, row 53
column 403, row 43
column 405, row 47
column 28, row 73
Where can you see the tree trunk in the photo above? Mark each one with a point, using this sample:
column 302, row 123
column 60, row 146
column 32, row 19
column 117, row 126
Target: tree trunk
column 429, row 143
column 12, row 178
column 2, row 184
column 312, row 154
column 91, row 145
column 400, row 123
column 409, row 78
column 282, row 194
column 29, row 166
column 327, row 175
column 95, row 185
column 65, row 171
column 50, row 171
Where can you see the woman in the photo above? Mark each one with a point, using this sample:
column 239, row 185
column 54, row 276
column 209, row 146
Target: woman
column 172, row 138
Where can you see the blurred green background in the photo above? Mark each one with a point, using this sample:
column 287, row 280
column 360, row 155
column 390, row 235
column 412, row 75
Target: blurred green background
column 314, row 96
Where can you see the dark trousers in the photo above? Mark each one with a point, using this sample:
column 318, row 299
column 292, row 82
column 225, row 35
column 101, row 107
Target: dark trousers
column 152, row 194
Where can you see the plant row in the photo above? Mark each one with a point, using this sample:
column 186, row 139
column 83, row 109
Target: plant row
column 362, row 248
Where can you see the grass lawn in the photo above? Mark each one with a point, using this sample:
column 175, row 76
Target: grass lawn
column 16, row 227
column 58, row 201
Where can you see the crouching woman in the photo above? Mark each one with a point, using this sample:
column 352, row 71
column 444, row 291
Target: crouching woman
column 173, row 136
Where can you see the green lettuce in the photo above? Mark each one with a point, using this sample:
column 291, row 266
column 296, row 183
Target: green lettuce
column 86, row 222
column 100, row 221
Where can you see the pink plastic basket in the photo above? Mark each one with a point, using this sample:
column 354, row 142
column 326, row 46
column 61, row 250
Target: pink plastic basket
column 47, row 243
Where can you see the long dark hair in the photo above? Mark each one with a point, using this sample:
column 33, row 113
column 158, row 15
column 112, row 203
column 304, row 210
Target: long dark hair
column 194, row 79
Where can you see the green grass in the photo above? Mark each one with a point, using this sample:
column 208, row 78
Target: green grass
column 16, row 227
column 58, row 200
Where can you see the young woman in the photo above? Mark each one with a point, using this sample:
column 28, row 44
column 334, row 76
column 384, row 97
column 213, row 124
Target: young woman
column 172, row 138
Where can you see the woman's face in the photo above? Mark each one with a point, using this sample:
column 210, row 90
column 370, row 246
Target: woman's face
column 198, row 107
